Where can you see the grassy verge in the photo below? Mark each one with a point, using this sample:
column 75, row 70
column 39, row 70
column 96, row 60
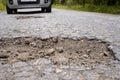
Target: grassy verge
column 91, row 8
column 2, row 7
column 2, row 4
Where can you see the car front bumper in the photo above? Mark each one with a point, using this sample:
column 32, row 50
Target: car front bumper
column 39, row 4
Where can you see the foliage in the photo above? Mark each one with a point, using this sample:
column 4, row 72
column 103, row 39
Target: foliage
column 103, row 6
column 95, row 2
column 2, row 4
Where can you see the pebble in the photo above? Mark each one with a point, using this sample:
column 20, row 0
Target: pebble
column 89, row 50
column 55, row 40
column 59, row 49
column 28, row 41
column 85, row 56
column 23, row 56
column 106, row 53
column 33, row 44
column 58, row 70
column 4, row 55
column 40, row 61
column 50, row 51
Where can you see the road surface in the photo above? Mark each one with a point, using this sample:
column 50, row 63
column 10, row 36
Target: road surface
column 64, row 23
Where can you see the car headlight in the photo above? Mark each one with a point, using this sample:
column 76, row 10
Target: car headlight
column 11, row 1
column 46, row 1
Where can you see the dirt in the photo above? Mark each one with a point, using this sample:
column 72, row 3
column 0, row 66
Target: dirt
column 87, row 52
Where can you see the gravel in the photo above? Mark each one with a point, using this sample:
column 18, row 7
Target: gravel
column 82, row 52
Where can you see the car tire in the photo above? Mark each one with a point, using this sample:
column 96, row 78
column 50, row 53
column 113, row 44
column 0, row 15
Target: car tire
column 49, row 9
column 15, row 10
column 9, row 11
column 43, row 9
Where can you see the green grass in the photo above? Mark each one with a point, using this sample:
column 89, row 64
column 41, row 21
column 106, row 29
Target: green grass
column 2, row 4
column 91, row 8
column 2, row 7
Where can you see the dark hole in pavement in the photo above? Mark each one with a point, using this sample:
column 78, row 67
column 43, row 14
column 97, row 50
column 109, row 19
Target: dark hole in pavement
column 28, row 17
column 60, row 51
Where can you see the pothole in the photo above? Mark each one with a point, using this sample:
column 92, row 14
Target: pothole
column 28, row 17
column 60, row 51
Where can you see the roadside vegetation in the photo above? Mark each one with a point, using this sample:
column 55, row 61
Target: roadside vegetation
column 2, row 4
column 102, row 6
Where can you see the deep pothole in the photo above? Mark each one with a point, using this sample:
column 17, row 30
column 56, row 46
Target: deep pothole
column 87, row 52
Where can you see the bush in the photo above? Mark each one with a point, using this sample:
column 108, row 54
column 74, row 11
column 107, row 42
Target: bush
column 2, row 4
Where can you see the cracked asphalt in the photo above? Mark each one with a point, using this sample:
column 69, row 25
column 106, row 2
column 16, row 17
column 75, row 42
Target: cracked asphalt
column 62, row 23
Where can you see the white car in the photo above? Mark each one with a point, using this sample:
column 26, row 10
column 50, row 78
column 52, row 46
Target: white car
column 13, row 5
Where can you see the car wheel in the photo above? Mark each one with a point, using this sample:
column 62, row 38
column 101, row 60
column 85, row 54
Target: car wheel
column 43, row 9
column 49, row 9
column 15, row 10
column 9, row 11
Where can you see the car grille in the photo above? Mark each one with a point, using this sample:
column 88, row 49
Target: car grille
column 29, row 2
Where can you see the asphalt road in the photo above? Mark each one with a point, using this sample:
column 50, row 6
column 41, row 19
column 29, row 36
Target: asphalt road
column 61, row 23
